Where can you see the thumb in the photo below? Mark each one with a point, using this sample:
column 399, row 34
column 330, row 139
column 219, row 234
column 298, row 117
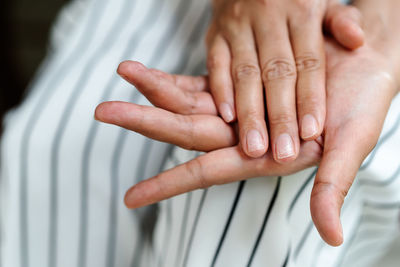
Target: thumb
column 343, row 155
column 345, row 24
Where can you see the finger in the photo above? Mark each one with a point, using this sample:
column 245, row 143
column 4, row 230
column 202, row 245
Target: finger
column 194, row 132
column 186, row 83
column 214, row 168
column 308, row 46
column 279, row 77
column 344, row 151
column 345, row 24
column 219, row 67
column 248, row 93
column 163, row 90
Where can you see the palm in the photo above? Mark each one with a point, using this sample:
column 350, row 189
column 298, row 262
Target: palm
column 359, row 92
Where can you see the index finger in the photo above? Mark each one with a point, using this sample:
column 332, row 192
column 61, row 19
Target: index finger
column 214, row 168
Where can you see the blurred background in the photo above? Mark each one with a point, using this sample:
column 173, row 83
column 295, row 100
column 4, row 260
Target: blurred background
column 25, row 25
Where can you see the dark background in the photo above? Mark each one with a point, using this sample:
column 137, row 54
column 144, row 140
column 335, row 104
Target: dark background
column 25, row 26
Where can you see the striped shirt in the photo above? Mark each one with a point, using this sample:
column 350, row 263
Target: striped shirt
column 64, row 175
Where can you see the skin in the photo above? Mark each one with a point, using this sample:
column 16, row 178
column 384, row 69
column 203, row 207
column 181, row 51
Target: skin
column 277, row 45
column 360, row 87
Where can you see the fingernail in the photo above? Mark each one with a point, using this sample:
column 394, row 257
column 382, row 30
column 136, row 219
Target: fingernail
column 309, row 126
column 255, row 141
column 284, row 146
column 226, row 112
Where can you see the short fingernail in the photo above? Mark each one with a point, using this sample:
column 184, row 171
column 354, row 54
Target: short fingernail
column 309, row 126
column 284, row 146
column 255, row 141
column 226, row 112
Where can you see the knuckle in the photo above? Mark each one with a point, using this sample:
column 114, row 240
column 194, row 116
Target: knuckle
column 278, row 69
column 308, row 62
column 246, row 71
column 196, row 170
column 308, row 8
column 189, row 143
column 322, row 188
column 282, row 119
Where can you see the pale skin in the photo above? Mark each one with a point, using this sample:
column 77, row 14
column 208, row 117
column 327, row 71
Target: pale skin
column 360, row 87
column 276, row 45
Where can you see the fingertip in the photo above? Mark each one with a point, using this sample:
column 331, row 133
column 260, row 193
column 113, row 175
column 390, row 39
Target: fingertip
column 325, row 213
column 100, row 111
column 254, row 144
column 125, row 68
column 309, row 128
column 285, row 149
column 136, row 197
column 227, row 112
column 348, row 33
column 127, row 201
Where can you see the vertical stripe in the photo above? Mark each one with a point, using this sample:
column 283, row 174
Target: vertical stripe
column 303, row 240
column 113, row 211
column 115, row 31
column 229, row 221
column 193, row 231
column 285, row 263
column 132, row 44
column 168, row 233
column 267, row 214
column 182, row 234
column 381, row 141
column 347, row 245
column 60, row 73
column 300, row 192
column 194, row 37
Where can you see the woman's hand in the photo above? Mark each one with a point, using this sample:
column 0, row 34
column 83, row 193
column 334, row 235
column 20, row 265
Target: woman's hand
column 186, row 116
column 278, row 45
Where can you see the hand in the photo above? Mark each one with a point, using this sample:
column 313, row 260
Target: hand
column 357, row 101
column 277, row 44
column 356, row 110
column 187, row 117
column 360, row 87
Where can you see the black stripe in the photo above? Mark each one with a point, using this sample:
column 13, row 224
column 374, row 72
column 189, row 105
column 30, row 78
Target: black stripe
column 381, row 141
column 300, row 192
column 45, row 95
column 303, row 239
column 182, row 234
column 194, row 227
column 382, row 205
column 287, row 257
column 346, row 245
column 192, row 40
column 371, row 240
column 114, row 200
column 385, row 182
column 317, row 254
column 115, row 31
column 267, row 214
column 363, row 218
column 168, row 232
column 229, row 220
column 131, row 46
